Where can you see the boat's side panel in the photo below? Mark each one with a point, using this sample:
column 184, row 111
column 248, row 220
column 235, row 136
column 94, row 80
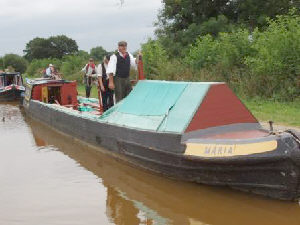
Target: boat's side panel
column 272, row 174
column 69, row 94
column 10, row 95
column 102, row 134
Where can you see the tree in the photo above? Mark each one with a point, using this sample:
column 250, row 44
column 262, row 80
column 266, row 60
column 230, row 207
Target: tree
column 63, row 45
column 38, row 48
column 98, row 53
column 180, row 22
column 15, row 61
column 177, row 41
column 83, row 54
column 154, row 56
column 254, row 13
column 179, row 14
column 53, row 47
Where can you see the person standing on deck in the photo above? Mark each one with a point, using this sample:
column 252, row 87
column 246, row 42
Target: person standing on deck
column 49, row 71
column 118, row 71
column 103, row 79
column 89, row 72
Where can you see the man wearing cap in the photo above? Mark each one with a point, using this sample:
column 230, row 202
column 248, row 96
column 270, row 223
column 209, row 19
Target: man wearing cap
column 118, row 70
column 89, row 73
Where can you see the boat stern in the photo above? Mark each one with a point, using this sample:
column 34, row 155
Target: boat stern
column 268, row 165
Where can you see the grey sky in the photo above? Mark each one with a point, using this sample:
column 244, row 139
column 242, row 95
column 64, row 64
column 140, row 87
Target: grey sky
column 90, row 22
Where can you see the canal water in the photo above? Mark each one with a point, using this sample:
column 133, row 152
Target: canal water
column 48, row 178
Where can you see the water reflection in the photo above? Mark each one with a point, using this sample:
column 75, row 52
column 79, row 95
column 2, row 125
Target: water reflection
column 48, row 178
column 138, row 197
column 121, row 207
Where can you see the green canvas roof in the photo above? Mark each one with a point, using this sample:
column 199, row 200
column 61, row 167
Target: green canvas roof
column 162, row 106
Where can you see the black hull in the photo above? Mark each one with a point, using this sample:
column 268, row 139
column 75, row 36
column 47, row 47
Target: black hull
column 10, row 95
column 275, row 174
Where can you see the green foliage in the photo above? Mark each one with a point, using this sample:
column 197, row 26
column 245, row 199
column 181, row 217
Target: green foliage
column 38, row 48
column 214, row 25
column 228, row 50
column 18, row 63
column 205, row 52
column 154, row 56
column 81, row 90
column 176, row 43
column 279, row 112
column 53, row 47
column 37, row 66
column 83, row 54
column 276, row 65
column 71, row 67
column 98, row 53
column 263, row 63
column 254, row 13
column 180, row 22
column 63, row 46
column 179, row 14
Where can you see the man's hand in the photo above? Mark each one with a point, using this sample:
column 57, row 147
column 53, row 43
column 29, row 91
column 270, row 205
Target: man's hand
column 111, row 85
column 102, row 87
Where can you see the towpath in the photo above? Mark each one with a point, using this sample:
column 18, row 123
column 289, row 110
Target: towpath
column 279, row 127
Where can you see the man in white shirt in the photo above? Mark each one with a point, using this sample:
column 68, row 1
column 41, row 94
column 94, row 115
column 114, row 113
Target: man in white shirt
column 118, row 71
column 49, row 71
column 103, row 79
column 89, row 73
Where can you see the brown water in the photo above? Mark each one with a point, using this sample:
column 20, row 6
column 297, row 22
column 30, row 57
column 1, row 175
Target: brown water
column 48, row 178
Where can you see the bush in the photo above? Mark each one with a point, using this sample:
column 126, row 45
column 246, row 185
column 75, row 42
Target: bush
column 71, row 67
column 222, row 56
column 229, row 50
column 265, row 63
column 18, row 63
column 203, row 53
column 276, row 66
column 36, row 67
column 154, row 58
column 98, row 53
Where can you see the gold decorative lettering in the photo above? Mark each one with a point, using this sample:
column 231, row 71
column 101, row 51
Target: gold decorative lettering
column 230, row 150
column 213, row 152
column 207, row 150
column 220, row 150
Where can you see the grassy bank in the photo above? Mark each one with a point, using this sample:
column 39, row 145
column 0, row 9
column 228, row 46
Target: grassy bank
column 284, row 113
column 81, row 91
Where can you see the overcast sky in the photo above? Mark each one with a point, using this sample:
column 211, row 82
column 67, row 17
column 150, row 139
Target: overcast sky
column 90, row 22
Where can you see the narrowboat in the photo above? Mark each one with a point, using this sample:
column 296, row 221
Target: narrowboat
column 193, row 131
column 11, row 86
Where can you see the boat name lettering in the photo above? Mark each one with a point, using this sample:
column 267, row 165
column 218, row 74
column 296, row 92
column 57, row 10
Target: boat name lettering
column 219, row 149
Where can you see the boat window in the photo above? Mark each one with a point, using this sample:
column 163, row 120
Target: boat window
column 10, row 80
column 1, row 82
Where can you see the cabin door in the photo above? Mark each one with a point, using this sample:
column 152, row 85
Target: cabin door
column 45, row 94
column 54, row 95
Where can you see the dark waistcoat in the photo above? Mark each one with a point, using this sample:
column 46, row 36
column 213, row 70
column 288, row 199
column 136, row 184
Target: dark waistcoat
column 104, row 75
column 123, row 66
